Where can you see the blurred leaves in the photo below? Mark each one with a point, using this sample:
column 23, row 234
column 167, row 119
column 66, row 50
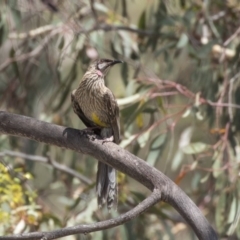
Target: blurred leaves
column 178, row 91
column 142, row 20
column 18, row 207
column 156, row 148
column 195, row 148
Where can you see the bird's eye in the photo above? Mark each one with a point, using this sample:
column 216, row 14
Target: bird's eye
column 102, row 66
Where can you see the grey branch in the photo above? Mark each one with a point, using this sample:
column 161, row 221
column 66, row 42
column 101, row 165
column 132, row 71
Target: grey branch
column 81, row 141
column 86, row 228
column 49, row 161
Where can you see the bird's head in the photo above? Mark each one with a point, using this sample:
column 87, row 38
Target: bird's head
column 101, row 66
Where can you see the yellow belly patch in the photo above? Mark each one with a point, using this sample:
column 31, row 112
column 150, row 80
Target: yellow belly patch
column 97, row 121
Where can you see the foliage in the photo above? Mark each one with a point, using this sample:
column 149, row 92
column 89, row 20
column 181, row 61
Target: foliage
column 178, row 91
column 18, row 206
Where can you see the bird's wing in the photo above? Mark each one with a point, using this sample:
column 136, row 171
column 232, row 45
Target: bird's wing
column 113, row 114
column 77, row 109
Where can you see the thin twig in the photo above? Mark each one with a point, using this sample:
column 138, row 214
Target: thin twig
column 217, row 16
column 31, row 54
column 187, row 93
column 104, row 27
column 93, row 10
column 209, row 20
column 49, row 161
column 237, row 32
column 33, row 33
column 108, row 27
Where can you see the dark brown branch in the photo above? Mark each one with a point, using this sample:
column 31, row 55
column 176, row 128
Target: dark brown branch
column 49, row 161
column 113, row 155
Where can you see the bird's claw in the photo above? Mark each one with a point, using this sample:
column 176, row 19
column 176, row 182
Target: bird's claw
column 109, row 139
column 89, row 133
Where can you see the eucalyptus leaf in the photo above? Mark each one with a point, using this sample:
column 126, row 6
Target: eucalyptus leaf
column 217, row 165
column 3, row 31
column 124, row 73
column 143, row 139
column 195, row 148
column 233, row 210
column 177, row 160
column 142, row 20
column 100, row 7
column 155, row 149
column 15, row 12
column 220, row 214
column 61, row 43
column 205, row 178
column 127, row 141
column 164, row 48
column 183, row 41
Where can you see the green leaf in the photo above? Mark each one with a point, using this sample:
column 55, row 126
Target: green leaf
column 124, row 143
column 177, row 160
column 139, row 120
column 80, row 42
column 128, row 44
column 220, row 212
column 130, row 113
column 138, row 196
column 156, row 149
column 217, row 165
column 12, row 53
column 100, row 7
column 194, row 148
column 165, row 48
column 161, row 104
column 3, row 33
column 233, row 210
column 124, row 73
column 116, row 45
column 142, row 20
column 183, row 3
column 143, row 139
column 205, row 178
column 182, row 41
column 61, row 43
column 128, row 101
column 15, row 12
column 15, row 64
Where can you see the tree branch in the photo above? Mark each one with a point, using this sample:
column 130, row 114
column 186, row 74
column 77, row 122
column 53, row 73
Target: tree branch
column 107, row 28
column 87, row 228
column 49, row 161
column 115, row 156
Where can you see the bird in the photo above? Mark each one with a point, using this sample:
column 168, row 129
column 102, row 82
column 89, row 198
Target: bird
column 96, row 106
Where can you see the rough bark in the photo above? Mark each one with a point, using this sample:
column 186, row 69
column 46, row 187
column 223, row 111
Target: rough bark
column 87, row 143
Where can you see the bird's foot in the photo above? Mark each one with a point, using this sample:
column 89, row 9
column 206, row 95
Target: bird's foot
column 89, row 133
column 109, row 139
column 89, row 130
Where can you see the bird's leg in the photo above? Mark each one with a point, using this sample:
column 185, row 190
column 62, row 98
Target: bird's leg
column 91, row 133
column 90, row 130
column 107, row 135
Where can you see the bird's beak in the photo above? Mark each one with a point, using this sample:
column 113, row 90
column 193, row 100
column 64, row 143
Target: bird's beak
column 115, row 62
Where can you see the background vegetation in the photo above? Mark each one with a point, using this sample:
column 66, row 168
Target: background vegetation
column 179, row 94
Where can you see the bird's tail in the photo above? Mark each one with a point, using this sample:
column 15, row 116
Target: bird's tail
column 106, row 186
